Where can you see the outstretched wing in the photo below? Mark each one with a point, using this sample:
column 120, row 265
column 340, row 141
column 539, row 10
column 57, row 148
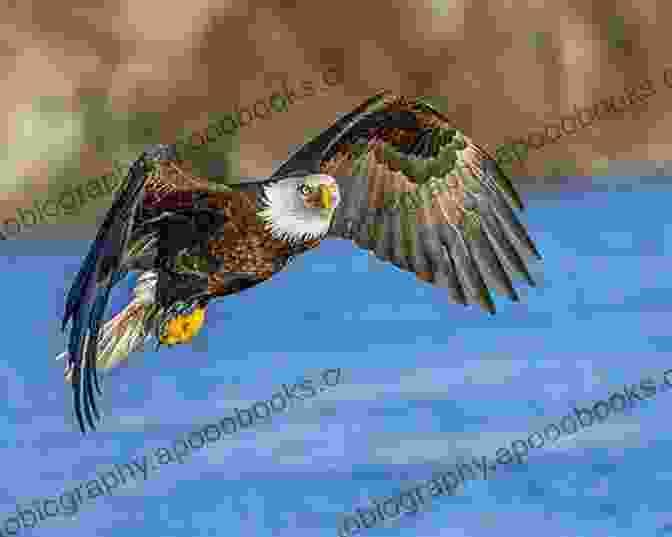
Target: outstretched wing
column 89, row 294
column 418, row 193
column 156, row 183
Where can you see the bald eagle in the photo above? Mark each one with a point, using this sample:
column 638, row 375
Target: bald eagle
column 394, row 176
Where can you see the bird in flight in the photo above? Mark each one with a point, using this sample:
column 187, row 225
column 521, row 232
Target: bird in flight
column 394, row 176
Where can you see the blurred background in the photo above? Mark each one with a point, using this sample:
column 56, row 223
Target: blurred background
column 424, row 382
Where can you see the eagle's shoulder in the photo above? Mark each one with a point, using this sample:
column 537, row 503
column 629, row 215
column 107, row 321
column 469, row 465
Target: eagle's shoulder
column 173, row 175
column 240, row 205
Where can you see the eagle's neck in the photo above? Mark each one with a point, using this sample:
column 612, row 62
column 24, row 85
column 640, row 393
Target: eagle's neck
column 285, row 215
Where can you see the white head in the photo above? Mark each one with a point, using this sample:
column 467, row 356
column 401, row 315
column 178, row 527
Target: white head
column 301, row 208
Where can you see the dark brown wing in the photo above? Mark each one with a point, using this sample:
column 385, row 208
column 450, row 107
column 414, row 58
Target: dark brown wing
column 420, row 194
column 105, row 264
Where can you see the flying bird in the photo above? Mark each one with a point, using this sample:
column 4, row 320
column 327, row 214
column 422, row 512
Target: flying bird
column 395, row 176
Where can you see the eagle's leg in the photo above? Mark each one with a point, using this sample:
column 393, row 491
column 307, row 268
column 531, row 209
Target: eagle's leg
column 183, row 299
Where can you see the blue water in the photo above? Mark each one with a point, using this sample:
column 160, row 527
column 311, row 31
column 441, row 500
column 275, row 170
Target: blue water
column 424, row 384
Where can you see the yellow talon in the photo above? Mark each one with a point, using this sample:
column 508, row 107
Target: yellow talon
column 183, row 328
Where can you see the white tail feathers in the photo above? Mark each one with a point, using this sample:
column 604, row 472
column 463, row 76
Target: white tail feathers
column 127, row 331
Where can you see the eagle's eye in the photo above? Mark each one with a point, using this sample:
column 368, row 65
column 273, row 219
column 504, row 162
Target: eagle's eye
column 304, row 189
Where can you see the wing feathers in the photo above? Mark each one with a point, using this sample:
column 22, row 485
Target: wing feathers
column 90, row 291
column 490, row 266
column 507, row 254
column 470, row 275
column 377, row 182
column 467, row 271
column 385, row 247
column 516, row 231
column 356, row 201
column 399, row 259
column 495, row 176
column 458, row 231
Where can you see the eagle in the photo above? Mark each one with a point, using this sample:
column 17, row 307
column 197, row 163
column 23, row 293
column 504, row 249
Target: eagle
column 395, row 176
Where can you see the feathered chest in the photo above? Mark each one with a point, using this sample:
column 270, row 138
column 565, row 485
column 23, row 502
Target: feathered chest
column 246, row 242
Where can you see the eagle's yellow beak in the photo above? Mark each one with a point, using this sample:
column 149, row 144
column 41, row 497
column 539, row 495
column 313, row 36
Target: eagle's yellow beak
column 183, row 328
column 326, row 192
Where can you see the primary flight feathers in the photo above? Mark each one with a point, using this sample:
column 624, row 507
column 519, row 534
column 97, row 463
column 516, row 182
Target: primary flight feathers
column 395, row 176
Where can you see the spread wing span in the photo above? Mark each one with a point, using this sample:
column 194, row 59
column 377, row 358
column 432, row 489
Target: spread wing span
column 418, row 193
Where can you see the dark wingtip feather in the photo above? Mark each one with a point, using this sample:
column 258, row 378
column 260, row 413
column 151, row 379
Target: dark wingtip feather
column 489, row 305
column 88, row 297
column 82, row 346
column 76, row 399
column 90, row 402
column 83, row 394
column 79, row 287
column 98, row 313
